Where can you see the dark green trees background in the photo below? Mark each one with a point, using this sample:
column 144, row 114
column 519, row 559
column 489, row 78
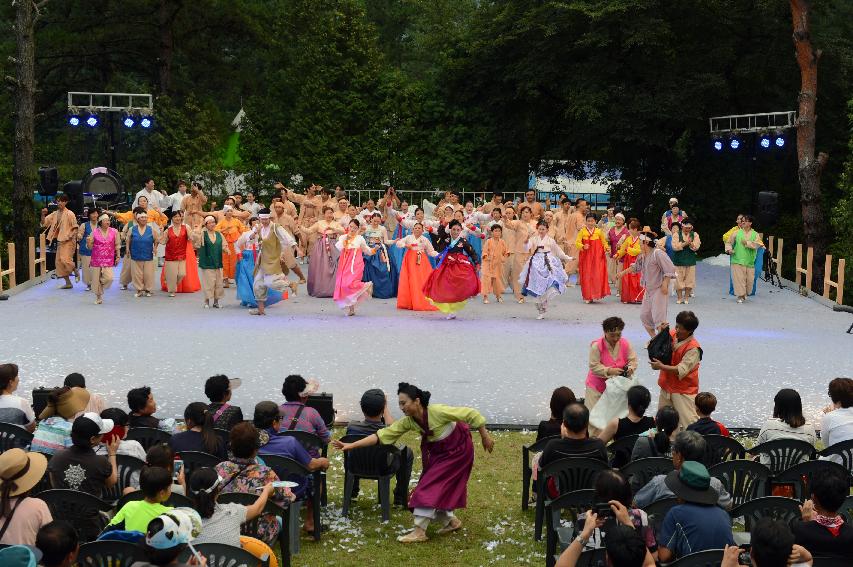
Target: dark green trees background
column 447, row 94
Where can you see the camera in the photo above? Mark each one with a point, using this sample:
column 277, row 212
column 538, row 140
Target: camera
column 624, row 371
column 603, row 510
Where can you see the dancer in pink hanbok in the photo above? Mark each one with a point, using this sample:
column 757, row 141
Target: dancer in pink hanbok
column 349, row 289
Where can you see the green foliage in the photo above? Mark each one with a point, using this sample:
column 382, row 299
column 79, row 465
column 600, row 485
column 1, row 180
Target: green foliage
column 842, row 214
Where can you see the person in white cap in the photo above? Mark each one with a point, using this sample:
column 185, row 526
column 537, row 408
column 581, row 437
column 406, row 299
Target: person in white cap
column 210, row 244
column 231, row 228
column 674, row 214
column 272, row 241
column 105, row 245
column 168, row 536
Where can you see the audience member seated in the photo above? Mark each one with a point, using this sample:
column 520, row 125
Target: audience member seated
column 612, row 487
column 14, row 409
column 823, row 530
column 20, row 556
column 142, row 407
column 267, row 420
column 199, row 435
column 221, row 522
column 574, row 438
column 54, row 430
column 21, row 517
column 245, row 474
column 58, row 543
column 771, row 545
column 96, row 401
column 560, row 398
column 706, row 403
column 657, row 442
column 168, row 537
column 696, row 523
column 218, row 390
column 156, row 486
column 635, row 423
column 787, row 422
column 687, row 446
column 624, row 547
column 837, row 425
column 163, row 456
column 127, row 447
column 296, row 416
column 374, row 407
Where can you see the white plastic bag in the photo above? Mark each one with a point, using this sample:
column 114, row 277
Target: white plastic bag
column 613, row 402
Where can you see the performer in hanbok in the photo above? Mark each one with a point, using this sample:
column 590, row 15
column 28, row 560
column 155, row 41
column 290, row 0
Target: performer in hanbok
column 84, row 251
column 448, row 457
column 415, row 271
column 105, row 244
column 210, row 244
column 574, row 225
column 513, row 234
column 180, row 271
column 324, row 255
column 244, row 275
column 455, row 280
column 612, row 361
column 674, row 214
column 593, row 249
column 349, row 287
column 378, row 267
column 495, row 254
column 543, row 276
column 745, row 243
column 128, row 219
column 281, row 216
column 309, row 212
column 142, row 242
column 615, row 235
column 268, row 275
column 631, row 290
column 61, row 227
column 231, row 228
column 657, row 270
column 685, row 243
column 191, row 205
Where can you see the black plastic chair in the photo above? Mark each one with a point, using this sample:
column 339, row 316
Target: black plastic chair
column 656, row 511
column 127, row 465
column 557, row 537
column 785, row 510
column 719, row 449
column 743, row 480
column 571, row 473
column 289, row 518
column 526, row 470
column 620, row 450
column 80, row 509
column 148, row 436
column 823, row 561
column 286, row 468
column 225, row 436
column 313, row 442
column 801, row 475
column 108, row 553
column 844, row 450
column 369, row 463
column 175, row 500
column 784, row 453
column 847, row 508
column 641, row 471
column 707, row 558
column 14, row 437
column 222, row 555
column 194, row 460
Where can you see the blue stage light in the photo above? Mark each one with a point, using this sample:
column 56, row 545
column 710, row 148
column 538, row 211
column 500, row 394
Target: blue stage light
column 92, row 121
column 780, row 142
column 765, row 142
column 718, row 145
column 734, row 143
column 128, row 122
column 145, row 122
column 74, row 120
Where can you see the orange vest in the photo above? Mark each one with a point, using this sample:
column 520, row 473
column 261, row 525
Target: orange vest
column 669, row 381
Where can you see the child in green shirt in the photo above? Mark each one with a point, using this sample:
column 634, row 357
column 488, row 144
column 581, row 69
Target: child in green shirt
column 156, row 486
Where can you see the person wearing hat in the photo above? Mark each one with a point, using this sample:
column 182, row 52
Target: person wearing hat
column 218, row 390
column 696, row 523
column 21, row 517
column 273, row 241
column 20, row 556
column 14, row 409
column 674, row 214
column 84, row 251
column 374, row 406
column 54, row 430
column 168, row 536
column 685, row 243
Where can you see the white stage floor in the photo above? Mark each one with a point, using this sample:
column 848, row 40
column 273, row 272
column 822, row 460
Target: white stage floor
column 497, row 358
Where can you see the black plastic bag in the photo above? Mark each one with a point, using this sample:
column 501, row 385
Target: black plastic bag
column 660, row 347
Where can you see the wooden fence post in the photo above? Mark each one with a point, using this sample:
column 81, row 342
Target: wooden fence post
column 828, row 283
column 10, row 271
column 775, row 252
column 807, row 271
column 42, row 261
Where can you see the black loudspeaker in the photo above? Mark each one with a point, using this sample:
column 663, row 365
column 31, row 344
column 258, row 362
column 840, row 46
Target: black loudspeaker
column 322, row 402
column 768, row 209
column 48, row 181
column 74, row 190
column 40, row 396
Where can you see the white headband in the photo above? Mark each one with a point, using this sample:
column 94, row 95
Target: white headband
column 264, row 216
column 619, row 216
column 646, row 238
column 227, row 208
column 209, row 217
column 103, row 217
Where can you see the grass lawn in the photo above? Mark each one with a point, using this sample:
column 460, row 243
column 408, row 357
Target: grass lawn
column 496, row 531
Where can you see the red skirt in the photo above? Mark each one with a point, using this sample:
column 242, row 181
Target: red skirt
column 593, row 272
column 413, row 277
column 632, row 291
column 455, row 280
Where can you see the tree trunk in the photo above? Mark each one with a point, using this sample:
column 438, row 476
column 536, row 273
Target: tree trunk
column 810, row 168
column 23, row 171
column 166, row 18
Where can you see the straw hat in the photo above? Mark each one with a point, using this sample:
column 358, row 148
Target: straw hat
column 70, row 403
column 20, row 471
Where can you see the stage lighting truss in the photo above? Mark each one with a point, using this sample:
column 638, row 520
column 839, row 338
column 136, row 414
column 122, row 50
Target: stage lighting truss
column 134, row 108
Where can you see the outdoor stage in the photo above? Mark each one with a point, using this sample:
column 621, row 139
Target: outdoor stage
column 497, row 358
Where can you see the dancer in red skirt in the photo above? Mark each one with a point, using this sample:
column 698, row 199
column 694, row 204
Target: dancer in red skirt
column 632, row 290
column 448, row 457
column 455, row 280
column 593, row 247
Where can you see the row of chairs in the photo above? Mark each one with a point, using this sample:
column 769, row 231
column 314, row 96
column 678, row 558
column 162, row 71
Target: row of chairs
column 123, row 554
column 707, row 558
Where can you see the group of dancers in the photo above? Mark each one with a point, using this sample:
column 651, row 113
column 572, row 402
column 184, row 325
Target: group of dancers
column 385, row 249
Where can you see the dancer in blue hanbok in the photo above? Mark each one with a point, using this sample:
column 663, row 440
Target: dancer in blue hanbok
column 378, row 267
column 247, row 248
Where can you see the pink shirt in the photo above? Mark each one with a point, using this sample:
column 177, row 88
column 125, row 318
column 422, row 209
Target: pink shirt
column 28, row 519
column 595, row 381
column 103, row 248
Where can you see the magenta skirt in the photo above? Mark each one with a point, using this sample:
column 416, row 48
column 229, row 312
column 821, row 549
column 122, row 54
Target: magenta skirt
column 446, row 467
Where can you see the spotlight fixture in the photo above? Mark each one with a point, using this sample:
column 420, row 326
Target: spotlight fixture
column 145, row 122
column 74, row 120
column 765, row 142
column 780, row 142
column 128, row 122
column 718, row 145
column 92, row 121
column 734, row 143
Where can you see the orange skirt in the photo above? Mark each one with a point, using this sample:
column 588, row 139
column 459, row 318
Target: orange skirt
column 413, row 276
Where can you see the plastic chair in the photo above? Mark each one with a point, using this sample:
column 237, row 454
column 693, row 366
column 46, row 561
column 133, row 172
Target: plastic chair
column 743, row 480
column 127, row 465
column 571, row 473
column 620, row 450
column 109, row 554
column 14, row 437
column 194, row 460
column 286, row 468
column 557, row 537
column 148, row 436
column 719, row 449
column 313, row 442
column 221, row 555
column 175, row 500
column 641, row 471
column 707, row 558
column 847, row 508
column 369, row 463
column 78, row 508
column 844, row 450
column 656, row 511
column 225, row 436
column 526, row 470
column 778, row 508
column 784, row 453
column 289, row 518
column 801, row 475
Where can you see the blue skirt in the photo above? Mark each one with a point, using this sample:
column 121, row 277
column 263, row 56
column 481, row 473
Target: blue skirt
column 384, row 280
column 396, row 254
column 759, row 265
column 243, row 275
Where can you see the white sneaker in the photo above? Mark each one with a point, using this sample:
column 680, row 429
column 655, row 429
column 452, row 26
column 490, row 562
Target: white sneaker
column 540, row 316
column 740, row 300
column 451, row 316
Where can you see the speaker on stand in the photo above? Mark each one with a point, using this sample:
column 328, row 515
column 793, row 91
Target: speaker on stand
column 767, row 213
